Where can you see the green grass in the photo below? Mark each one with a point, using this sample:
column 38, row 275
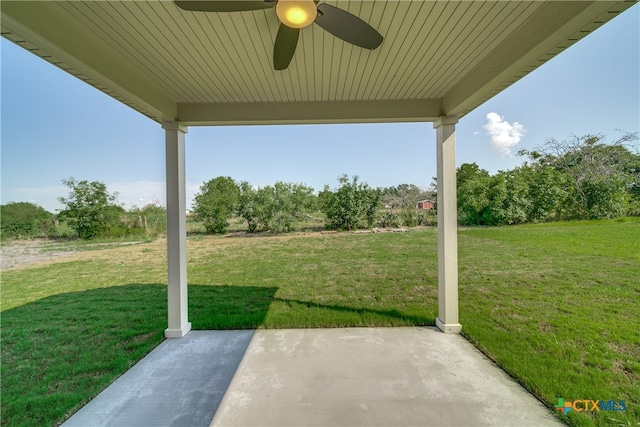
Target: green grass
column 556, row 305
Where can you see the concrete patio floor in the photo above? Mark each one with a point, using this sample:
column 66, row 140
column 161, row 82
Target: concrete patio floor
column 315, row 377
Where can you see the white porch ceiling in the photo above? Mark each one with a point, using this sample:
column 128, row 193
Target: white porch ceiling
column 437, row 58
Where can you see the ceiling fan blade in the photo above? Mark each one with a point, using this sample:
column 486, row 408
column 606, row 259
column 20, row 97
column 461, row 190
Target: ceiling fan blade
column 223, row 5
column 347, row 27
column 285, row 46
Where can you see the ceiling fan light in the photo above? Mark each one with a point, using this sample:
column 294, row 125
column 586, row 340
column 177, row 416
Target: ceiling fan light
column 296, row 13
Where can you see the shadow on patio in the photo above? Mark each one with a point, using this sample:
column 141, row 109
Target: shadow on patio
column 64, row 349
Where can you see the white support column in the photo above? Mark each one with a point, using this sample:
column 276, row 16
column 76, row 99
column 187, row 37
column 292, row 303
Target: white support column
column 447, row 320
column 177, row 298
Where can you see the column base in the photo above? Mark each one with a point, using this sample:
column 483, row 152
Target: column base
column 449, row 328
column 177, row 333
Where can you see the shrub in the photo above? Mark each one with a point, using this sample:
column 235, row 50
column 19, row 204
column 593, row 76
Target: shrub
column 353, row 205
column 275, row 208
column 427, row 218
column 389, row 220
column 90, row 210
column 217, row 200
column 150, row 220
column 409, row 216
column 25, row 219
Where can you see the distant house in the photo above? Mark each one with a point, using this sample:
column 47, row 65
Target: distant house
column 426, row 204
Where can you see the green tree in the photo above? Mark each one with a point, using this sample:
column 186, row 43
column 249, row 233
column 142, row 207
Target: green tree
column 473, row 194
column 582, row 177
column 90, row 210
column 546, row 191
column 523, row 194
column 325, row 198
column 25, row 219
column 513, row 203
column 248, row 206
column 372, row 200
column 217, row 200
column 353, row 205
column 290, row 202
column 495, row 212
column 602, row 178
column 276, row 207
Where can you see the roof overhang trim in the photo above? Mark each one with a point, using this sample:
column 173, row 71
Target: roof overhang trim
column 419, row 110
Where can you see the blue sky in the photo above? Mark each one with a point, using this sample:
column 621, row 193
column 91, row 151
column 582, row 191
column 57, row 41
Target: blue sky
column 55, row 126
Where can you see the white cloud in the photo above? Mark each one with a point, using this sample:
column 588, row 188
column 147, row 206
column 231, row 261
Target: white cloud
column 504, row 135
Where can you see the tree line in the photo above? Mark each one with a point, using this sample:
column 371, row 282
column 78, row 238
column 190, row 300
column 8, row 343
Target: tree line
column 578, row 178
column 277, row 208
column 90, row 212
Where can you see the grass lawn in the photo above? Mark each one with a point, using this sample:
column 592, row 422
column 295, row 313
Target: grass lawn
column 556, row 305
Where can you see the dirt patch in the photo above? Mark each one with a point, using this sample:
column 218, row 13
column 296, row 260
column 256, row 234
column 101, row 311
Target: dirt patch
column 19, row 253
column 546, row 328
column 24, row 252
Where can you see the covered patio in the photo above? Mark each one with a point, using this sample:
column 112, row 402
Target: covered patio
column 315, row 377
column 438, row 61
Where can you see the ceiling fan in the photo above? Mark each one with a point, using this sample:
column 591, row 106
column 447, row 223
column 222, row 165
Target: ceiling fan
column 294, row 15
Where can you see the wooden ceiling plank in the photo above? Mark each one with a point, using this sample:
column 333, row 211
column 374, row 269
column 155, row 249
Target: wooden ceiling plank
column 346, row 57
column 152, row 55
column 339, row 47
column 306, row 67
column 375, row 12
column 116, row 35
column 315, row 62
column 328, row 42
column 473, row 31
column 41, row 23
column 389, row 25
column 193, row 43
column 511, row 16
column 231, row 34
column 266, row 24
column 223, row 36
column 415, row 70
column 422, row 76
column 465, row 31
column 411, row 32
column 552, row 25
column 172, row 39
column 427, row 13
column 253, row 71
column 355, row 61
column 201, row 33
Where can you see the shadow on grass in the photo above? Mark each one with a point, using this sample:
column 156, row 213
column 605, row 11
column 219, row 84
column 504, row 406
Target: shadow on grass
column 61, row 351
column 331, row 315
